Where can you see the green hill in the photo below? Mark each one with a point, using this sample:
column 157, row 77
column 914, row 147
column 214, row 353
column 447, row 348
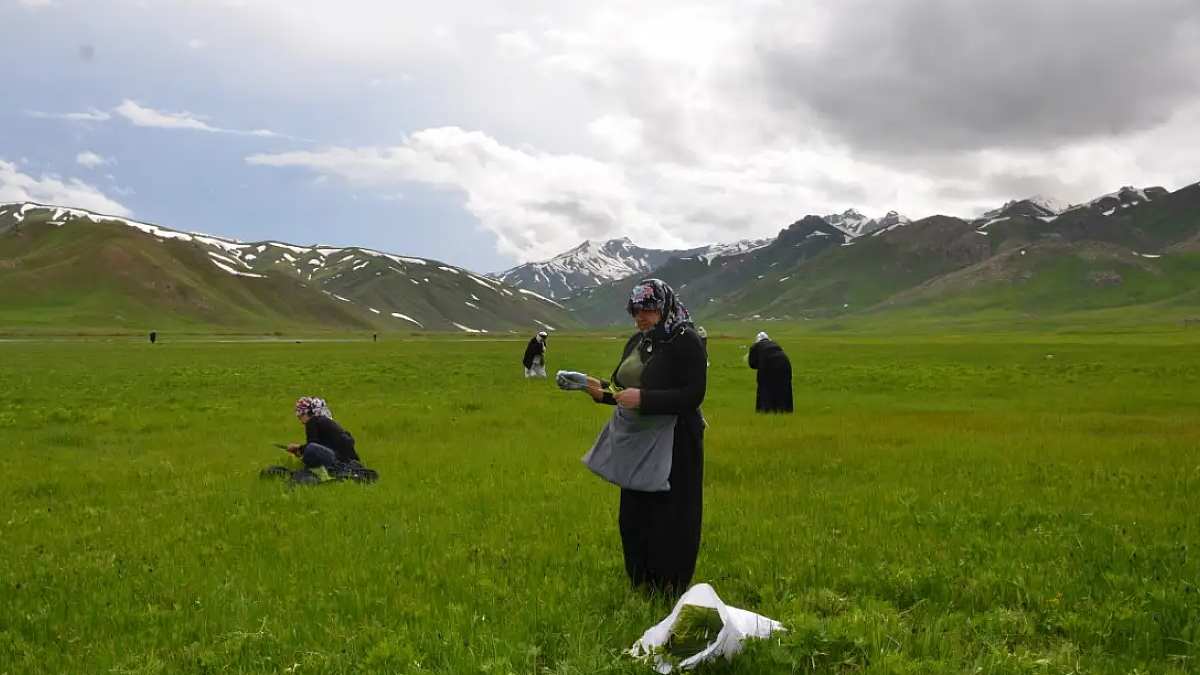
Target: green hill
column 72, row 270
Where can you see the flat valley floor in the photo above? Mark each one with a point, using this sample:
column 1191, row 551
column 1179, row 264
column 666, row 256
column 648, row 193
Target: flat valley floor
column 990, row 504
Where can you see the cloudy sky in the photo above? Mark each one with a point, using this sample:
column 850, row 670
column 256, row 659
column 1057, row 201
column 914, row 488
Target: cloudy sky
column 486, row 134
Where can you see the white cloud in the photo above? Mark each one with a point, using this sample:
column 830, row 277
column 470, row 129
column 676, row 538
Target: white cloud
column 196, row 43
column 142, row 116
column 92, row 115
column 35, row 4
column 148, row 117
column 539, row 204
column 678, row 121
column 16, row 186
column 536, row 203
column 516, row 43
column 620, row 134
column 91, row 160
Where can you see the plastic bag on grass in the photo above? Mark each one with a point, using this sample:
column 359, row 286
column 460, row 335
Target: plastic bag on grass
column 664, row 644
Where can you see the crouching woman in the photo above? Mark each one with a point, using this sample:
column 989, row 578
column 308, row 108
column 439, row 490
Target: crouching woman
column 327, row 445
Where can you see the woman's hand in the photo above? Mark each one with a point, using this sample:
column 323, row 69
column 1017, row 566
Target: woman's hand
column 594, row 389
column 629, row 398
column 294, row 448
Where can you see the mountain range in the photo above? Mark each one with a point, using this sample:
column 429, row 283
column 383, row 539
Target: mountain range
column 593, row 263
column 66, row 267
column 1030, row 257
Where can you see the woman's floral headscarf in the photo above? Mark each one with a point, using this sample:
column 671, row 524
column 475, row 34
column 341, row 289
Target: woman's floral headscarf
column 313, row 407
column 657, row 295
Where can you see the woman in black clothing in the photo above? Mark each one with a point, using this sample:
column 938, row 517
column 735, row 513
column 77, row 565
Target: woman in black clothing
column 535, row 356
column 662, row 371
column 774, row 376
column 327, row 443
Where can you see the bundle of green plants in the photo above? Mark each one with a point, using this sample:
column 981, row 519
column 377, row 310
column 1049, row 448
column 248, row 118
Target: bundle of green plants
column 694, row 629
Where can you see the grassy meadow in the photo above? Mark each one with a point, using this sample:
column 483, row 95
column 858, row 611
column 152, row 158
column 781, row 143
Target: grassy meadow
column 981, row 503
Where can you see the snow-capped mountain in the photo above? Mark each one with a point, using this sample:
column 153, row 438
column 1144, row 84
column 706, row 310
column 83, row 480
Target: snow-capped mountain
column 1037, row 206
column 714, row 251
column 588, row 264
column 1124, row 198
column 371, row 287
column 856, row 224
column 814, row 269
column 595, row 262
column 1048, row 208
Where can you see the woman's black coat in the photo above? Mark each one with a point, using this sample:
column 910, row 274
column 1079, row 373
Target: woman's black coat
column 324, row 431
column 774, row 377
column 660, row 531
column 534, row 348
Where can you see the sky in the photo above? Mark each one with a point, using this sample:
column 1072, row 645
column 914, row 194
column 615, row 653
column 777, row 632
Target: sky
column 490, row 134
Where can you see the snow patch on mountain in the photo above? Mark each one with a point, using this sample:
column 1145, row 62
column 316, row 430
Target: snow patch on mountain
column 1051, row 204
column 708, row 254
column 1036, row 206
column 857, row 225
column 735, row 248
column 543, row 298
column 398, row 315
column 1123, row 198
column 491, row 286
column 237, row 273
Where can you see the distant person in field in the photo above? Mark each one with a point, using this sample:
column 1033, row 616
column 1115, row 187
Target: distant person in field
column 153, row 336
column 774, row 375
column 535, row 356
column 662, row 374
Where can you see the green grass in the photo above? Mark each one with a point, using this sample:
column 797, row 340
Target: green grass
column 978, row 503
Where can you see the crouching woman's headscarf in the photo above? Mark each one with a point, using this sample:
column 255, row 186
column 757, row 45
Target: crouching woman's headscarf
column 313, row 407
column 655, row 294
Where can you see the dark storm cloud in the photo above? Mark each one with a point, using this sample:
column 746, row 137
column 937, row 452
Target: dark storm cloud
column 947, row 75
column 1022, row 185
column 841, row 191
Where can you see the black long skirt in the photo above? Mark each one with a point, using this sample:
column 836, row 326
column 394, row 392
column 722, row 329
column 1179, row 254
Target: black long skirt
column 660, row 531
column 774, row 387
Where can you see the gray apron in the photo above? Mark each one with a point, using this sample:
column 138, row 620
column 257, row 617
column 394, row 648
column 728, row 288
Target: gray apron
column 634, row 451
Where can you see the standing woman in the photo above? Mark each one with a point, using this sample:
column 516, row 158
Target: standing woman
column 774, row 376
column 662, row 372
column 535, row 356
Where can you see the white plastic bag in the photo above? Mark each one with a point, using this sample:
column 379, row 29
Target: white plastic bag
column 569, row 380
column 739, row 624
